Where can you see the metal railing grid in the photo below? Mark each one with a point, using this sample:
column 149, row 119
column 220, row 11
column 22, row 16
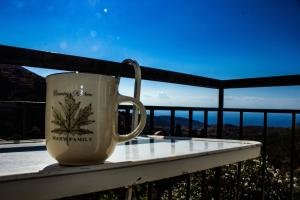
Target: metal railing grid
column 33, row 58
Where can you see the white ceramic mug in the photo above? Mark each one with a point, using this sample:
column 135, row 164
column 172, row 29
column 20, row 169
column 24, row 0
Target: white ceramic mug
column 82, row 117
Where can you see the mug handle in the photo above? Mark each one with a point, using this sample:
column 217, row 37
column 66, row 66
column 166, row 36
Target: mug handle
column 137, row 88
column 140, row 126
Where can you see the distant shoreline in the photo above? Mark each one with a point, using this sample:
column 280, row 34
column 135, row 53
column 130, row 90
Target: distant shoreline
column 250, row 119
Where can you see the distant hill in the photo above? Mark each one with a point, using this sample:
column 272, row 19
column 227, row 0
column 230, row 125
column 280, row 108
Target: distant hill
column 20, row 84
column 163, row 121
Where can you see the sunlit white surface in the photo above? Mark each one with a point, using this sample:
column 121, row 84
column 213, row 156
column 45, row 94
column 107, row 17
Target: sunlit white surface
column 167, row 148
column 141, row 150
column 27, row 171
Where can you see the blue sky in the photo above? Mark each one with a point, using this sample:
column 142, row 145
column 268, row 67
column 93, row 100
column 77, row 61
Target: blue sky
column 218, row 38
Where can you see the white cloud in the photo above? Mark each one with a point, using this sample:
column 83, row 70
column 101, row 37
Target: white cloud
column 162, row 95
column 63, row 45
column 95, row 48
column 262, row 102
column 178, row 98
column 147, row 96
column 245, row 99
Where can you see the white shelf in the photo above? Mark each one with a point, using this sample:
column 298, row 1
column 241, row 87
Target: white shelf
column 33, row 174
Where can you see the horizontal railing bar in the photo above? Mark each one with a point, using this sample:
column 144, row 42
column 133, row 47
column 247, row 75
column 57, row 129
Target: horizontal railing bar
column 179, row 108
column 273, row 81
column 261, row 110
column 35, row 58
column 23, row 102
column 251, row 110
column 182, row 108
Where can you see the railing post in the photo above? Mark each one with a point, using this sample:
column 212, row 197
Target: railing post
column 241, row 125
column 127, row 119
column 220, row 114
column 264, row 154
column 204, row 187
column 292, row 156
column 149, row 191
column 205, row 123
column 219, row 136
column 170, row 192
column 24, row 113
column 151, row 122
column 238, row 178
column 172, row 123
column 190, row 123
column 188, row 187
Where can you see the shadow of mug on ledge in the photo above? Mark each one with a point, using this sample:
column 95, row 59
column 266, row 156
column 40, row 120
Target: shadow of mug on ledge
column 82, row 117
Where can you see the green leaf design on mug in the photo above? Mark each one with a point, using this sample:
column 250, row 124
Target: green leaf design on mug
column 71, row 118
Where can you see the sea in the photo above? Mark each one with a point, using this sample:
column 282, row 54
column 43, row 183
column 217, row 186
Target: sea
column 250, row 119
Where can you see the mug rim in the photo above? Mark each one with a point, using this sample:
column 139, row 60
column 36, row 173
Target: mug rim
column 78, row 74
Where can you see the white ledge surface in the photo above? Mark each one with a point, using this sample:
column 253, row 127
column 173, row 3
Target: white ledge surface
column 29, row 174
